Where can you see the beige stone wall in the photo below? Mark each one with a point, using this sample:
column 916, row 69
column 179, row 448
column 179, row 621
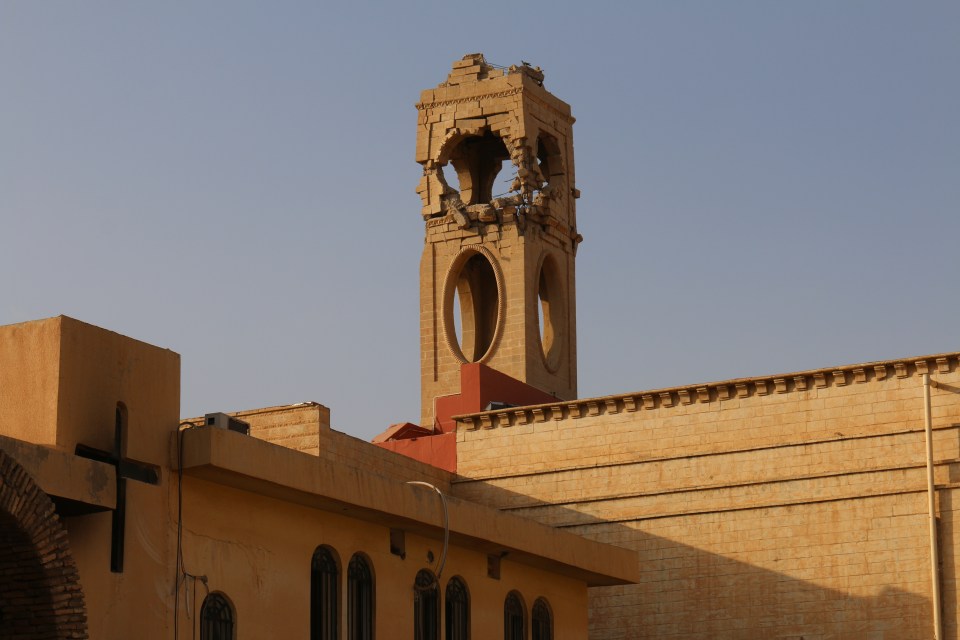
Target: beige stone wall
column 305, row 427
column 785, row 507
column 296, row 427
column 340, row 448
column 60, row 385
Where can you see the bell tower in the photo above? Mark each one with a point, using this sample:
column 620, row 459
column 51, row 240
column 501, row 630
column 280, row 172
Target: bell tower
column 498, row 192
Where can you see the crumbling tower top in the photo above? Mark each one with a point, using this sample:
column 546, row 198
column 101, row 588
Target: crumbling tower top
column 470, row 68
column 477, row 119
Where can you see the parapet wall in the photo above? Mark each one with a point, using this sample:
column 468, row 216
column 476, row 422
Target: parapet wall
column 785, row 506
column 305, row 427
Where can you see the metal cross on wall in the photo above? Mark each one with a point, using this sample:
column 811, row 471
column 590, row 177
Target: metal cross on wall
column 125, row 469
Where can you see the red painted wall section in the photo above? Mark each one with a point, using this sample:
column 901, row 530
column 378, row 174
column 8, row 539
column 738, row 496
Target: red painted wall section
column 479, row 386
column 438, row 450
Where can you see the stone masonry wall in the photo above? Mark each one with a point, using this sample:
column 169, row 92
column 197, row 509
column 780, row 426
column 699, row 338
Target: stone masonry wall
column 305, row 427
column 783, row 507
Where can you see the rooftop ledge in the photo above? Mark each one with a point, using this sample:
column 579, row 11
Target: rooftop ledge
column 245, row 463
column 80, row 485
column 712, row 391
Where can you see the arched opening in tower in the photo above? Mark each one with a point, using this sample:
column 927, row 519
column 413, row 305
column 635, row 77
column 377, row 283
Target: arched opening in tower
column 477, row 161
column 549, row 158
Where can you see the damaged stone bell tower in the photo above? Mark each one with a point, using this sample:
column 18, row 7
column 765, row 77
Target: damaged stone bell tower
column 498, row 191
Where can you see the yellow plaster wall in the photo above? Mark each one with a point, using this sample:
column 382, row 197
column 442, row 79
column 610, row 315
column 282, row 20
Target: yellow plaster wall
column 254, row 548
column 63, row 475
column 257, row 551
column 99, row 368
column 60, row 382
column 791, row 506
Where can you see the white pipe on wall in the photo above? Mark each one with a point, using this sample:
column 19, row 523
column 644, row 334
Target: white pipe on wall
column 931, row 507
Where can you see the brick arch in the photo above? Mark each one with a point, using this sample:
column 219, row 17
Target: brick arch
column 40, row 593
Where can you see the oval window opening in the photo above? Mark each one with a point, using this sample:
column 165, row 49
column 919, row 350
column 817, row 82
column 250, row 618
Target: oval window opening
column 472, row 308
column 550, row 313
column 477, row 294
column 541, row 311
column 457, row 319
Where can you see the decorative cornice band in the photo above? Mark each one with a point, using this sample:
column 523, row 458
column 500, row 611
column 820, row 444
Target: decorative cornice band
column 506, row 93
column 727, row 390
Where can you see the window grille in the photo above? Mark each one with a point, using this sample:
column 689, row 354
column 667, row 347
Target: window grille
column 216, row 618
column 426, row 606
column 514, row 618
column 542, row 620
column 360, row 604
column 324, row 596
column 458, row 610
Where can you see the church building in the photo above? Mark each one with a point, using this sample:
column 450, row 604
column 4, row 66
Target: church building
column 810, row 505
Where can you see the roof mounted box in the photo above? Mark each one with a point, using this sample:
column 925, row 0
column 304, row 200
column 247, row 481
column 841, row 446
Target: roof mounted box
column 223, row 421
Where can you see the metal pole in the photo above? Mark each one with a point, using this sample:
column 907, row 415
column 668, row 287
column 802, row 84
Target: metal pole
column 446, row 524
column 931, row 507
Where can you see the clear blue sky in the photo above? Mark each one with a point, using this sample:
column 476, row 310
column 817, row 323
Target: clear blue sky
column 767, row 186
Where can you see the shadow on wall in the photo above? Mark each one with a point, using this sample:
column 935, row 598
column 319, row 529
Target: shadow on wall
column 948, row 539
column 688, row 593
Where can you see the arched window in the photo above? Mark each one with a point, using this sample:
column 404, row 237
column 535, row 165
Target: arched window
column 324, row 595
column 360, row 599
column 514, row 617
column 542, row 620
column 426, row 606
column 216, row 618
column 458, row 610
